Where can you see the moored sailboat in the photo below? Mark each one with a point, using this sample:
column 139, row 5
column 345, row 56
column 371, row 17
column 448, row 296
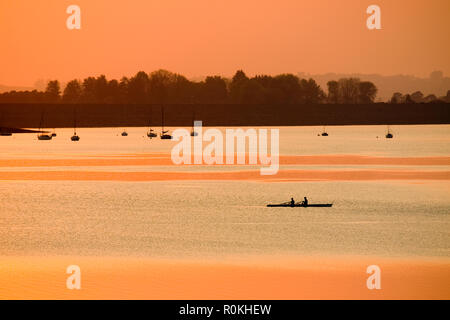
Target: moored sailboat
column 124, row 132
column 150, row 133
column 164, row 133
column 75, row 137
column 41, row 135
column 389, row 134
column 193, row 132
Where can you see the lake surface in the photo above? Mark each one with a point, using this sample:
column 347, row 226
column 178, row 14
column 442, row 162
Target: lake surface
column 226, row 218
column 409, row 141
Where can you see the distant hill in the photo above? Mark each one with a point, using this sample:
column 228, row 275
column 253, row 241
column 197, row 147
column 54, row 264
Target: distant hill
column 387, row 85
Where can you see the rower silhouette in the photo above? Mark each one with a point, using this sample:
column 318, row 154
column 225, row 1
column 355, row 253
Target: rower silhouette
column 292, row 202
column 305, row 202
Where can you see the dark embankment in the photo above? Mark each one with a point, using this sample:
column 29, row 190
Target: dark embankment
column 104, row 115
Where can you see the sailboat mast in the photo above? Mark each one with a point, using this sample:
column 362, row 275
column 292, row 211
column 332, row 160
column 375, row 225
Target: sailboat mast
column 74, row 120
column 41, row 122
column 124, row 115
column 150, row 117
column 42, row 119
column 162, row 118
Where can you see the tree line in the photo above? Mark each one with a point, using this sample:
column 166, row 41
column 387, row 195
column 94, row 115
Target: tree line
column 419, row 97
column 164, row 87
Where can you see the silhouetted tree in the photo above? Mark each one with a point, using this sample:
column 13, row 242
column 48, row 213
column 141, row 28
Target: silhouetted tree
column 138, row 88
column 252, row 92
column 213, row 90
column 272, row 91
column 417, row 97
column 53, row 91
column 72, row 92
column 123, row 90
column 408, row 99
column 180, row 90
column 397, row 97
column 88, row 90
column 367, row 92
column 113, row 92
column 333, row 91
column 310, row 92
column 349, row 90
column 290, row 88
column 237, row 84
column 159, row 85
column 101, row 89
column 430, row 98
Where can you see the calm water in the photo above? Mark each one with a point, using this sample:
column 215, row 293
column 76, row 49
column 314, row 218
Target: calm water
column 219, row 219
column 362, row 140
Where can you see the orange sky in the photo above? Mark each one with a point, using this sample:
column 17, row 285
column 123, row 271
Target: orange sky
column 201, row 37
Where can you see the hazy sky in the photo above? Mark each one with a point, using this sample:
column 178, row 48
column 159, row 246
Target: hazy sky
column 201, row 37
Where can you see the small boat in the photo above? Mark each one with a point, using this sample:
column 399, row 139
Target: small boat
column 389, row 134
column 299, row 205
column 43, row 136
column 151, row 134
column 75, row 137
column 125, row 117
column 324, row 133
column 165, row 135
